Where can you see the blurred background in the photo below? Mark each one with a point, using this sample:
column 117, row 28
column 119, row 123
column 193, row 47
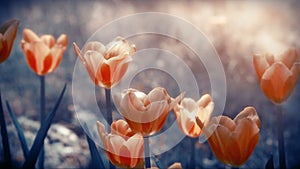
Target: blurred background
column 237, row 29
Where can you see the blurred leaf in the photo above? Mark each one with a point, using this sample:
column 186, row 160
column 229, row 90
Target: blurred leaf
column 7, row 155
column 42, row 133
column 157, row 162
column 97, row 162
column 19, row 130
column 270, row 163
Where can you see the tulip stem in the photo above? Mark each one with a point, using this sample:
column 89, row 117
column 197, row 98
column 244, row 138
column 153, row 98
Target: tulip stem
column 108, row 115
column 42, row 117
column 147, row 153
column 193, row 152
column 5, row 143
column 280, row 135
column 108, row 106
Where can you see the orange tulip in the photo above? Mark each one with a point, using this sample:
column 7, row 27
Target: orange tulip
column 8, row 33
column 43, row 54
column 277, row 75
column 233, row 141
column 124, row 148
column 146, row 114
column 188, row 109
column 106, row 65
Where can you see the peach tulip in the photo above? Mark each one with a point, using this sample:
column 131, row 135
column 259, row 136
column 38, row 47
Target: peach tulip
column 124, row 148
column 277, row 75
column 233, row 141
column 106, row 65
column 186, row 111
column 146, row 114
column 43, row 54
column 8, row 33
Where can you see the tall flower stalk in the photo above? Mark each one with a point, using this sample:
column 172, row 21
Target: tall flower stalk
column 106, row 65
column 43, row 55
column 278, row 76
column 186, row 111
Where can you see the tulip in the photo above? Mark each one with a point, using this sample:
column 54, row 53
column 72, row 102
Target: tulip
column 123, row 147
column 277, row 75
column 8, row 33
column 106, row 65
column 43, row 54
column 233, row 141
column 188, row 109
column 145, row 114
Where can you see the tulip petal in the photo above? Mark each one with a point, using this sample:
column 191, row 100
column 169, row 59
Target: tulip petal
column 273, row 82
column 121, row 128
column 245, row 131
column 31, row 60
column 95, row 46
column 289, row 57
column 189, row 104
column 49, row 40
column 30, row 36
column 250, row 113
column 260, row 64
column 62, row 40
column 10, row 34
column 136, row 145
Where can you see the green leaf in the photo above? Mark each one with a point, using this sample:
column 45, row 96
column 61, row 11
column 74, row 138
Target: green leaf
column 270, row 163
column 42, row 133
column 19, row 130
column 97, row 162
column 7, row 155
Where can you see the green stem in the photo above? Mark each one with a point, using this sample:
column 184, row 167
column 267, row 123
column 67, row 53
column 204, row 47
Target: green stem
column 108, row 106
column 147, row 152
column 280, row 135
column 193, row 152
column 5, row 143
column 42, row 118
column 108, row 115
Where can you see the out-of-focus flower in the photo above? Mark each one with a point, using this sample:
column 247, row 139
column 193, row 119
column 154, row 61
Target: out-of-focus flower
column 8, row 33
column 43, row 54
column 173, row 166
column 186, row 111
column 124, row 148
column 106, row 65
column 145, row 114
column 277, row 75
column 233, row 141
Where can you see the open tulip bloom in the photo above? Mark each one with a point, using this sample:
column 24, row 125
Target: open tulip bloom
column 277, row 75
column 8, row 33
column 146, row 113
column 233, row 141
column 106, row 65
column 124, row 147
column 186, row 111
column 44, row 53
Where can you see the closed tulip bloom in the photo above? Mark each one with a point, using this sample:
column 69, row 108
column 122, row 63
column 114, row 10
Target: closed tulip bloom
column 146, row 114
column 106, row 65
column 277, row 75
column 186, row 111
column 124, row 148
column 44, row 53
column 8, row 33
column 233, row 141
